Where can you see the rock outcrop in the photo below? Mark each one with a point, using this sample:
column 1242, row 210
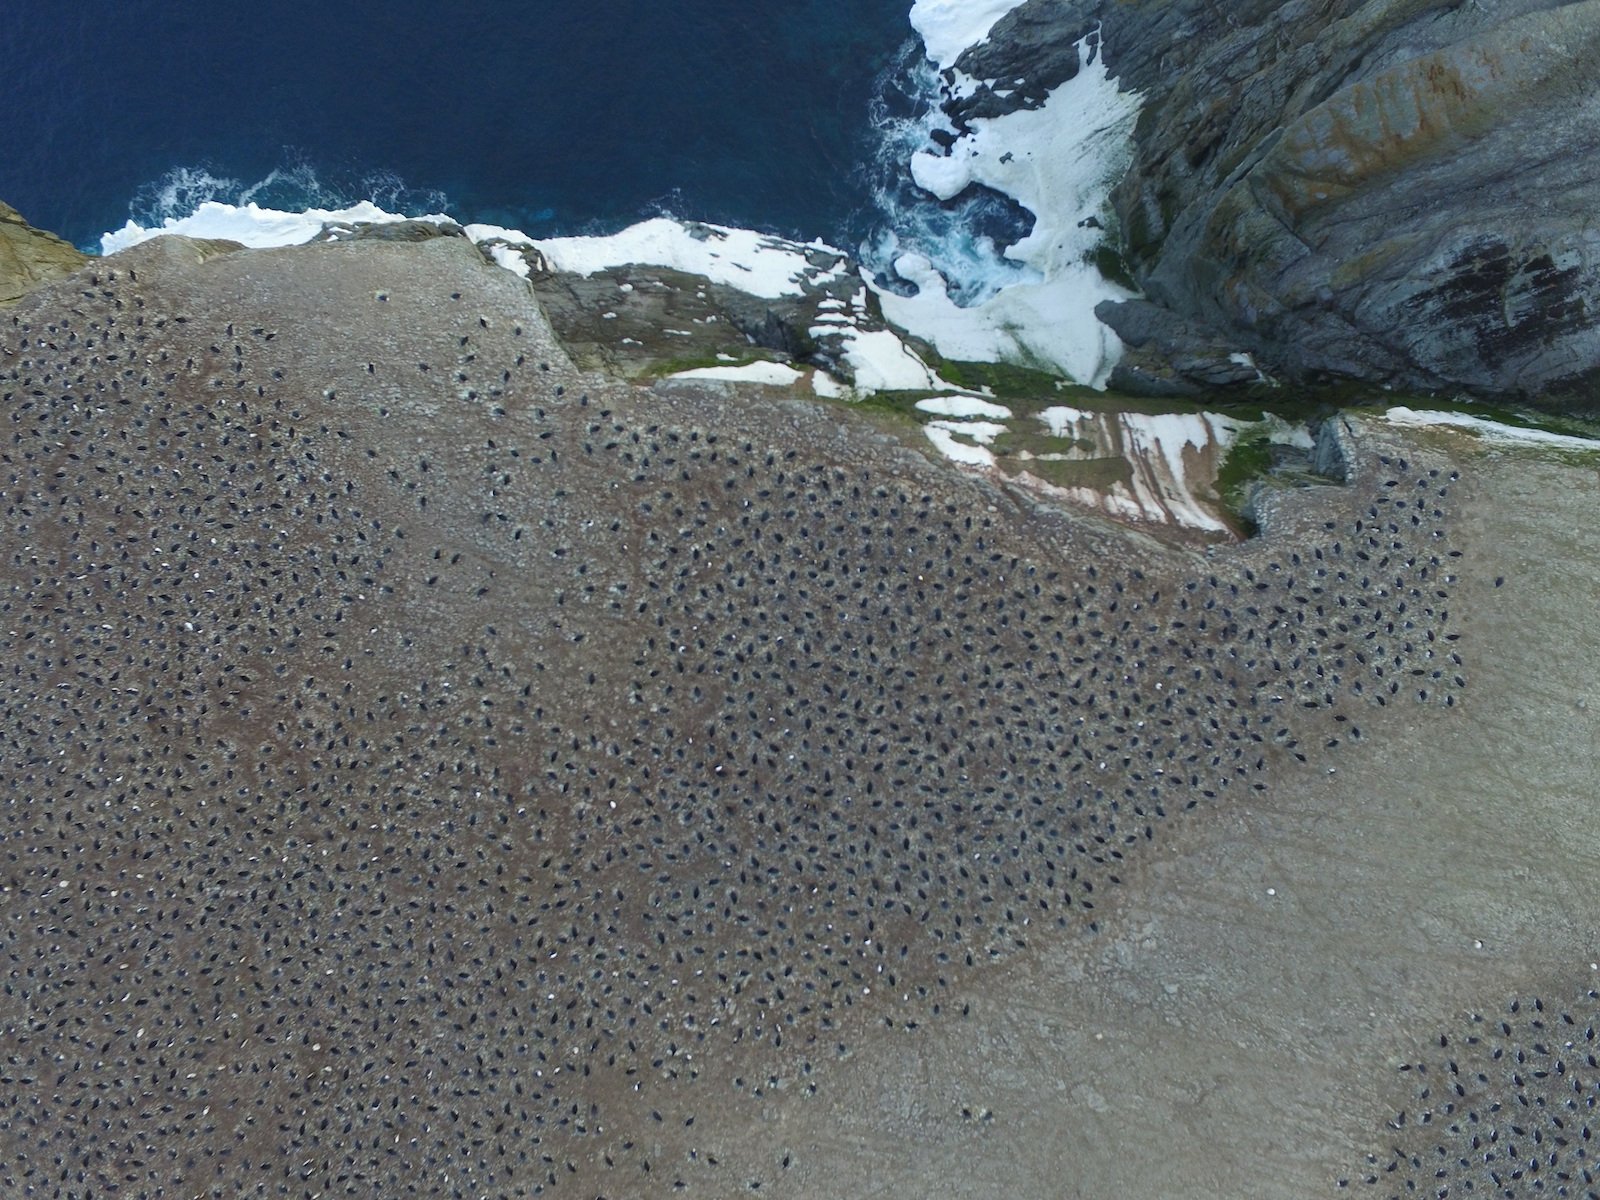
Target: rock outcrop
column 29, row 256
column 1395, row 191
column 640, row 321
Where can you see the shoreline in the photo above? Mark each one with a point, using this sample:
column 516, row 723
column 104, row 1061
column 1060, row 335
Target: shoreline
column 667, row 299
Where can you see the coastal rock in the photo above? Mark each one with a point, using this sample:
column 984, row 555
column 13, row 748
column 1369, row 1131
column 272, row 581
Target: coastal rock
column 640, row 321
column 1395, row 191
column 29, row 256
column 389, row 231
column 1166, row 355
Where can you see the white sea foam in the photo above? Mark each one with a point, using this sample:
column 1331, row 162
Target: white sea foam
column 948, row 27
column 298, row 185
column 961, row 238
column 251, row 225
column 180, row 192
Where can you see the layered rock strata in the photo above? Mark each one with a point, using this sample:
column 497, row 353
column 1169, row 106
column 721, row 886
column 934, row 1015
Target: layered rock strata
column 1395, row 191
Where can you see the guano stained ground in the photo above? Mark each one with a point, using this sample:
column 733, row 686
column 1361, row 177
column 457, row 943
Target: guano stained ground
column 430, row 770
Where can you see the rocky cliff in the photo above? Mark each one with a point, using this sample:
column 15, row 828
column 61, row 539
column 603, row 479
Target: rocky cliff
column 1398, row 191
column 29, row 256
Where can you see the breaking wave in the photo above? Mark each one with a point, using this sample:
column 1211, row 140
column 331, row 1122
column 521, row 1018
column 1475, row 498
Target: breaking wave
column 296, row 186
column 963, row 238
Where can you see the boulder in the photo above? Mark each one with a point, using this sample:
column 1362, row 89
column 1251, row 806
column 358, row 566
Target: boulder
column 1396, row 191
column 30, row 257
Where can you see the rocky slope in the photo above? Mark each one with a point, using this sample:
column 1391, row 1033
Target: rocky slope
column 1398, row 191
column 29, row 256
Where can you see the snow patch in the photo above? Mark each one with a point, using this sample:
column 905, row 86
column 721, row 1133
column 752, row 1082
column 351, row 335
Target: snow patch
column 253, row 226
column 827, row 386
column 1492, row 430
column 957, row 451
column 491, row 233
column 1158, row 449
column 948, row 27
column 963, row 406
column 982, row 432
column 1062, row 421
column 511, row 260
column 764, row 266
column 769, row 373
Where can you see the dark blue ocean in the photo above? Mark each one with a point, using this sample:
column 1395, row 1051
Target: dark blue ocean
column 555, row 116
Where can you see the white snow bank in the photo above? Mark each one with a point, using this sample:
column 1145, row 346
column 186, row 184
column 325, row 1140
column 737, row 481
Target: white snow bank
column 947, row 27
column 770, row 373
column 957, row 451
column 1059, row 161
column 488, row 233
column 510, row 259
column 1493, row 430
column 881, row 361
column 982, row 432
column 963, row 406
column 252, row 225
column 764, row 266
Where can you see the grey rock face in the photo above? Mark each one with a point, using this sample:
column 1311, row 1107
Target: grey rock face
column 1398, row 191
column 1169, row 356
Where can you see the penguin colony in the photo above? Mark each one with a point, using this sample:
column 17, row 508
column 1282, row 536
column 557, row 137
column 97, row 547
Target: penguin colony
column 487, row 797
column 1507, row 1106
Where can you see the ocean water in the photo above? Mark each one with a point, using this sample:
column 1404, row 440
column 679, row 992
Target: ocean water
column 558, row 117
